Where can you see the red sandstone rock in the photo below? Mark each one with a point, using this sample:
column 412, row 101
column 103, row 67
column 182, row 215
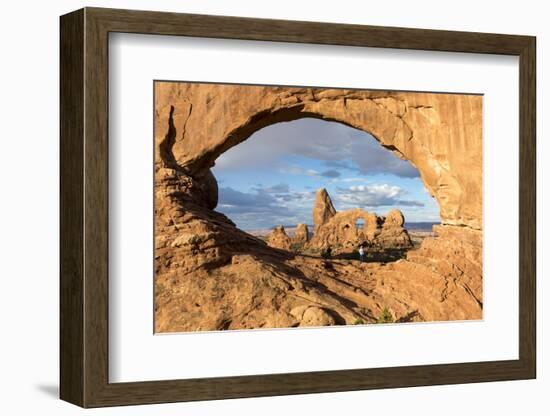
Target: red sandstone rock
column 323, row 210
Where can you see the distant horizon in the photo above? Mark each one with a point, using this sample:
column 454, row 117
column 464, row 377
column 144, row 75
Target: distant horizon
column 273, row 176
column 310, row 226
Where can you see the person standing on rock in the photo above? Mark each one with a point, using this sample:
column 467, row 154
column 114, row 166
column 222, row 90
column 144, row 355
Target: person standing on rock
column 361, row 253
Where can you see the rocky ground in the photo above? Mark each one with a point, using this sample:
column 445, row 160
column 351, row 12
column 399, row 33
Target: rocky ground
column 212, row 276
column 273, row 288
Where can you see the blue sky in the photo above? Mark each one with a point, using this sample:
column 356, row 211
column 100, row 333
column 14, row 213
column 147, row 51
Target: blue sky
column 272, row 177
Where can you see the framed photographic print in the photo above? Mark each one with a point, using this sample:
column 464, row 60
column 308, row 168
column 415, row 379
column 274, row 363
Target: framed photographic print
column 255, row 207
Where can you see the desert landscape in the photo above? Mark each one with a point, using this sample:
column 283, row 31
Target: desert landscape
column 211, row 275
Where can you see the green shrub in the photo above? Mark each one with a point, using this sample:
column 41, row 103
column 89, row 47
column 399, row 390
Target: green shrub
column 297, row 247
column 385, row 317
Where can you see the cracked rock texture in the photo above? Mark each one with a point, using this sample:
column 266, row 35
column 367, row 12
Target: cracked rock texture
column 212, row 276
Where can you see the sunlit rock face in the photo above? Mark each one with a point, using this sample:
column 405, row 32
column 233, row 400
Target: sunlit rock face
column 323, row 210
column 210, row 275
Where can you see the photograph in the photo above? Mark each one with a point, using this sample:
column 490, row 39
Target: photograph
column 301, row 206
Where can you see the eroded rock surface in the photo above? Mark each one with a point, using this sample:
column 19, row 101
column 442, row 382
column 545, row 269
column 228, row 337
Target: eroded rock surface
column 279, row 239
column 210, row 275
column 272, row 288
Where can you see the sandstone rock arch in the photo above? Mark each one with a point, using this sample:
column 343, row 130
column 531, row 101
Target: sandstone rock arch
column 440, row 134
column 211, row 275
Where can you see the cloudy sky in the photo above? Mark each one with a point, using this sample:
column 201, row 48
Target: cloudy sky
column 272, row 177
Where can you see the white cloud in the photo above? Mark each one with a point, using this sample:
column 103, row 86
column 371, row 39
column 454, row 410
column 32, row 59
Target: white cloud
column 376, row 195
column 296, row 170
column 347, row 180
column 384, row 189
column 339, row 146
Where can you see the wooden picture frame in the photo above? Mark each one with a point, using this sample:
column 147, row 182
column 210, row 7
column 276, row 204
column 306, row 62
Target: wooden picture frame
column 84, row 207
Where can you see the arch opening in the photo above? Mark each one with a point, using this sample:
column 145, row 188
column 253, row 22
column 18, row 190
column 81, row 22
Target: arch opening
column 271, row 183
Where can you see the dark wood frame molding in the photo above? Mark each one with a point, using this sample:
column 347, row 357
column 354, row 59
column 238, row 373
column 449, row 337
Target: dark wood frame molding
column 84, row 207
